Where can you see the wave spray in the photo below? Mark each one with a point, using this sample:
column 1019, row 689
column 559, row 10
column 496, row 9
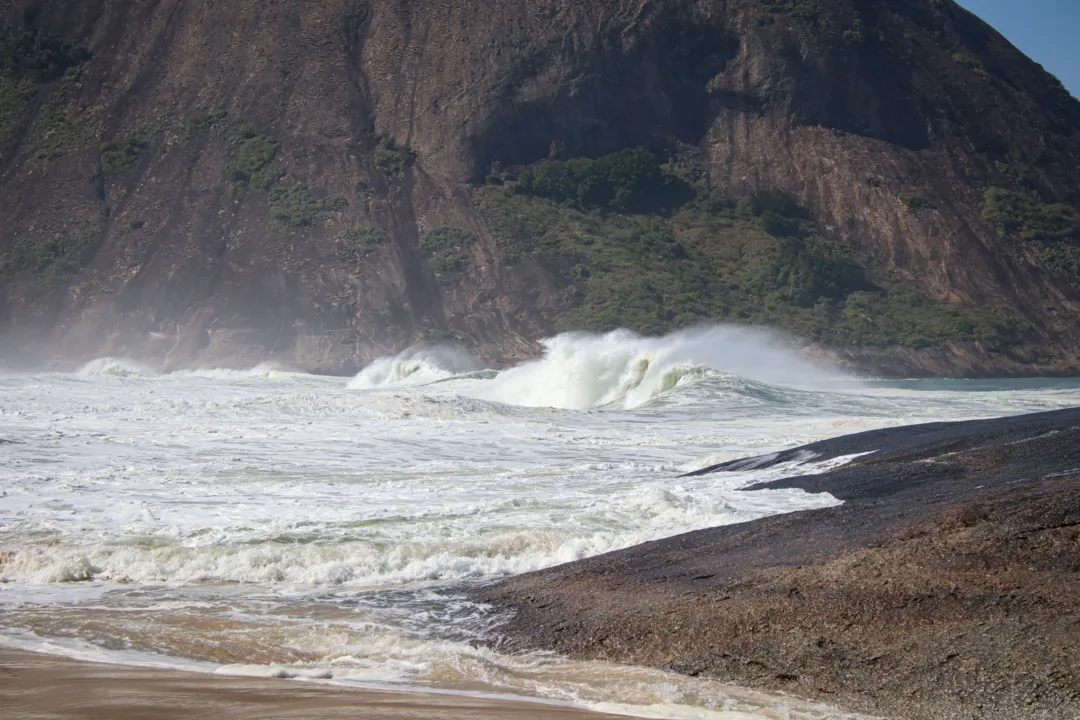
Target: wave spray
column 582, row 371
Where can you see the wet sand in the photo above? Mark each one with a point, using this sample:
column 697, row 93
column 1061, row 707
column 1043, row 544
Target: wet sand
column 44, row 687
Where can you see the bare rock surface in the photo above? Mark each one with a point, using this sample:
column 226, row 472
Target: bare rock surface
column 946, row 586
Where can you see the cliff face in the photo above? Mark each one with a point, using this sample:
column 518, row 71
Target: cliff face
column 231, row 182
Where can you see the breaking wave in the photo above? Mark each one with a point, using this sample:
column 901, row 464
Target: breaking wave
column 621, row 369
column 127, row 368
column 115, row 367
column 415, row 366
column 491, row 541
column 267, row 370
column 616, row 370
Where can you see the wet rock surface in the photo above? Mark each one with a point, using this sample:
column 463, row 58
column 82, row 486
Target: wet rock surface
column 946, row 586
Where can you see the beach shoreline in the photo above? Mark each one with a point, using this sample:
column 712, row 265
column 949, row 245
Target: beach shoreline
column 43, row 686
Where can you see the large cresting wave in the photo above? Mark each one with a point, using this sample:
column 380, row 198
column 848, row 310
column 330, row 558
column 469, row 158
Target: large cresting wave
column 620, row 369
column 582, row 371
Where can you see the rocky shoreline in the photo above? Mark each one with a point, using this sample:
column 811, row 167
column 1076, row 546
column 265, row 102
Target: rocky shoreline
column 946, row 586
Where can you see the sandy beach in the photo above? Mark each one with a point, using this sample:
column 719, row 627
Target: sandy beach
column 46, row 686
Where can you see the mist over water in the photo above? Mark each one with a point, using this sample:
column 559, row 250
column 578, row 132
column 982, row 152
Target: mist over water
column 272, row 522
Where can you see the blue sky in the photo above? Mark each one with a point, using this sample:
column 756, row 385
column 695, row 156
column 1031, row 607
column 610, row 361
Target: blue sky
column 1046, row 30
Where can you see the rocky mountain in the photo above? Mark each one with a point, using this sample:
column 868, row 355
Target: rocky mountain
column 227, row 182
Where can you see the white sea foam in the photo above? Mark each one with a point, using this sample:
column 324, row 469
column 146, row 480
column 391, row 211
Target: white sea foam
column 581, row 371
column 670, row 712
column 541, row 678
column 475, row 533
column 115, row 367
column 266, row 370
column 416, row 366
column 177, row 513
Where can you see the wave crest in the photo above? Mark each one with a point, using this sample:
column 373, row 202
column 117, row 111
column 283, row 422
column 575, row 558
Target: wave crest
column 581, row 371
column 415, row 366
column 115, row 367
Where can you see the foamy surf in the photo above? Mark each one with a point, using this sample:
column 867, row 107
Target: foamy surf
column 646, row 693
column 476, row 533
column 616, row 370
column 285, row 524
column 415, row 366
column 266, row 370
column 115, row 367
column 580, row 371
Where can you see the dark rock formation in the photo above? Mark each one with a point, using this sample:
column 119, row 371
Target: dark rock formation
column 946, row 586
column 211, row 184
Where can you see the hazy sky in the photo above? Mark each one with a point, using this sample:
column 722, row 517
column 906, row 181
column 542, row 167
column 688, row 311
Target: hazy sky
column 1046, row 30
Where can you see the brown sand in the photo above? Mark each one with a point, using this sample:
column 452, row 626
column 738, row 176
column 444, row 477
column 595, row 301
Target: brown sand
column 43, row 687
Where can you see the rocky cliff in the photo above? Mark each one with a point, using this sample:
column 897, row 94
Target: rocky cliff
column 222, row 183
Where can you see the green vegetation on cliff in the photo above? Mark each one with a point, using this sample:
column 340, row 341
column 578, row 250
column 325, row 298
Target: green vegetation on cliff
column 295, row 206
column 251, row 155
column 695, row 256
column 39, row 56
column 1024, row 217
column 447, row 249
column 626, row 181
column 15, row 96
column 393, row 160
column 204, row 123
column 802, row 9
column 251, row 166
column 118, row 155
column 58, row 132
column 971, row 62
column 54, row 258
column 361, row 243
column 1051, row 229
column 29, row 59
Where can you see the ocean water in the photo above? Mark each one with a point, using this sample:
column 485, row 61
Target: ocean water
column 268, row 522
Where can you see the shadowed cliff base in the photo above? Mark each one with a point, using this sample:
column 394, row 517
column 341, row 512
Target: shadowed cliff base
column 946, row 586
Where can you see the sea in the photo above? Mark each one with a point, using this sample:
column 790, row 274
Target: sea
column 268, row 522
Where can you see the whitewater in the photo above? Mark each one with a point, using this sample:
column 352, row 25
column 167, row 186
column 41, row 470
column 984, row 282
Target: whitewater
column 269, row 522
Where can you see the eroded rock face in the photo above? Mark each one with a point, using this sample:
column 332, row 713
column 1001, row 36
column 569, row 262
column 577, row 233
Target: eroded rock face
column 385, row 111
